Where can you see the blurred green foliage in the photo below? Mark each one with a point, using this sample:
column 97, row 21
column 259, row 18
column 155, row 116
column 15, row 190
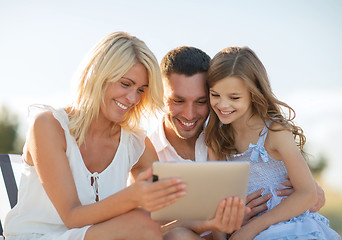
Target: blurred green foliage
column 10, row 141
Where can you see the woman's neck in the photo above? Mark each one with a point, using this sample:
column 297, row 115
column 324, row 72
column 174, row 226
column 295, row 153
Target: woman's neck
column 102, row 127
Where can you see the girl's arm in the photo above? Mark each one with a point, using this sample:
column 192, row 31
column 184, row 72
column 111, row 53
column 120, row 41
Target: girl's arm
column 45, row 149
column 282, row 144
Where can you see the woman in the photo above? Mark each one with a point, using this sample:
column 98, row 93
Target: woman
column 77, row 159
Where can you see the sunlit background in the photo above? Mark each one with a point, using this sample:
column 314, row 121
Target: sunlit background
column 299, row 42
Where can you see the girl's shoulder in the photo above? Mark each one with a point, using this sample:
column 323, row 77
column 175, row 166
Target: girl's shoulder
column 278, row 135
column 276, row 126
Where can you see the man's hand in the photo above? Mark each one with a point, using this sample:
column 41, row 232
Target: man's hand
column 320, row 194
column 256, row 203
column 320, row 199
column 229, row 215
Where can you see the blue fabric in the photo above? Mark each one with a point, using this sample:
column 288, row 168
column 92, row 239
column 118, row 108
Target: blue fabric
column 268, row 173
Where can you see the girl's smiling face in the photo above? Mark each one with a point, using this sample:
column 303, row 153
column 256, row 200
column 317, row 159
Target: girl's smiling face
column 230, row 98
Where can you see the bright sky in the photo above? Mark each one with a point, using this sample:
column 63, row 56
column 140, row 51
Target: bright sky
column 299, row 42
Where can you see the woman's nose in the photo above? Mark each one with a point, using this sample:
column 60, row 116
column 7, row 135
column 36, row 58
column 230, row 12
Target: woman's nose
column 133, row 97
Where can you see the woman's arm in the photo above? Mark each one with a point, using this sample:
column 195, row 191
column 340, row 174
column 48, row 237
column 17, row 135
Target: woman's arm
column 282, row 144
column 46, row 149
column 154, row 195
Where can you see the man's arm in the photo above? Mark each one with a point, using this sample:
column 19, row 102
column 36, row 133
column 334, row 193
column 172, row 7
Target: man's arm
column 258, row 203
column 320, row 194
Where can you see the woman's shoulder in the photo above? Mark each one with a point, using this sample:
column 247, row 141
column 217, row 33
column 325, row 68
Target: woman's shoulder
column 43, row 115
column 44, row 119
column 136, row 134
column 45, row 130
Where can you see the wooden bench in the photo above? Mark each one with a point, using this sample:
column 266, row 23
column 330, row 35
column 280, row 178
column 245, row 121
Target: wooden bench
column 10, row 165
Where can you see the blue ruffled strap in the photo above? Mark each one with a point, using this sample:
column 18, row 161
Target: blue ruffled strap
column 256, row 151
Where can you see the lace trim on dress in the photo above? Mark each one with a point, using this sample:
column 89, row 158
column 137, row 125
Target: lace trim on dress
column 94, row 183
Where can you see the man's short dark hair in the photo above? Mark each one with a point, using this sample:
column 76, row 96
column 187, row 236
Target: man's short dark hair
column 185, row 60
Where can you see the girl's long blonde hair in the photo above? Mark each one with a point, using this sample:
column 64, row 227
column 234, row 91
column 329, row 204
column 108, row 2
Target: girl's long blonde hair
column 107, row 62
column 243, row 63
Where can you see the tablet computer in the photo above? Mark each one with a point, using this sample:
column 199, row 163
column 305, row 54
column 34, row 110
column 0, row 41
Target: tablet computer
column 207, row 184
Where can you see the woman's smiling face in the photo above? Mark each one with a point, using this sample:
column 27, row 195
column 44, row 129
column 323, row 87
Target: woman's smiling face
column 124, row 94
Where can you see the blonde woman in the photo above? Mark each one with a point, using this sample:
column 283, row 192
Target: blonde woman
column 77, row 159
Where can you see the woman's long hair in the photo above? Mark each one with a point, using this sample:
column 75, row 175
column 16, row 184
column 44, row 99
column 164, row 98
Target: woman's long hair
column 107, row 62
column 243, row 63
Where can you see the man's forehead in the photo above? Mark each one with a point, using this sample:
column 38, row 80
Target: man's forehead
column 178, row 81
column 188, row 90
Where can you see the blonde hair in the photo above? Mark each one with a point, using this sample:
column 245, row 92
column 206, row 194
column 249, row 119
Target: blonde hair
column 107, row 62
column 244, row 63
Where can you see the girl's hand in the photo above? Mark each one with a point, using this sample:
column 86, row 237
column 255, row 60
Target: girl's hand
column 229, row 215
column 257, row 204
column 153, row 196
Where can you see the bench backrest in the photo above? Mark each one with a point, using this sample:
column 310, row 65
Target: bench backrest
column 10, row 165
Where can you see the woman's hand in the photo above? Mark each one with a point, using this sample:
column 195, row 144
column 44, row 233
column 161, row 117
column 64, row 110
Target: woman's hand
column 153, row 196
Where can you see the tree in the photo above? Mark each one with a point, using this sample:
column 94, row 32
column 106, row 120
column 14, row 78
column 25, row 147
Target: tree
column 9, row 137
column 318, row 164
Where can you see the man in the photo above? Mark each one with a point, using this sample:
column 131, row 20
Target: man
column 180, row 136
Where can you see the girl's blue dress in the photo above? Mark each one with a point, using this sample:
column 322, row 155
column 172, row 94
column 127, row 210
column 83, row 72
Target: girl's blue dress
column 268, row 173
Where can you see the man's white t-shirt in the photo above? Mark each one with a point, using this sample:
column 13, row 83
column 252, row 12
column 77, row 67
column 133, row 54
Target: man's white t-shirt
column 166, row 152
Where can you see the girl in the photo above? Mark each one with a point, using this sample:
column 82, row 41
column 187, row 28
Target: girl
column 246, row 124
column 77, row 159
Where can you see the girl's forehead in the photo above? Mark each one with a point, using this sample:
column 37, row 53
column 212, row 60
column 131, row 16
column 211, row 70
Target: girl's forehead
column 230, row 83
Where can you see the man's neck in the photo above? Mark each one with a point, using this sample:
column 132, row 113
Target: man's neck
column 184, row 147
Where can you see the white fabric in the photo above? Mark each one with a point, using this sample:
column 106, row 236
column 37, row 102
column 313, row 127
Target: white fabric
column 166, row 152
column 35, row 214
column 17, row 165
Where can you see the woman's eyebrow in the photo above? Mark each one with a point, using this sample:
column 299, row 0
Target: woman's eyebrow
column 128, row 79
column 146, row 85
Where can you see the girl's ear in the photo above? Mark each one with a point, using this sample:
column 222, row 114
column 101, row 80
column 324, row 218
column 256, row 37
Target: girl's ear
column 252, row 96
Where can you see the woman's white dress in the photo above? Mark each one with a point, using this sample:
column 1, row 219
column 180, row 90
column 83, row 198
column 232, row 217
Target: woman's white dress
column 35, row 217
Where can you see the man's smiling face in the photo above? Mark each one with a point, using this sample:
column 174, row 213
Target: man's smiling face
column 186, row 103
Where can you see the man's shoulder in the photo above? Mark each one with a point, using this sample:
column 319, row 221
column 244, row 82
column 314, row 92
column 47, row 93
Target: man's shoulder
column 157, row 137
